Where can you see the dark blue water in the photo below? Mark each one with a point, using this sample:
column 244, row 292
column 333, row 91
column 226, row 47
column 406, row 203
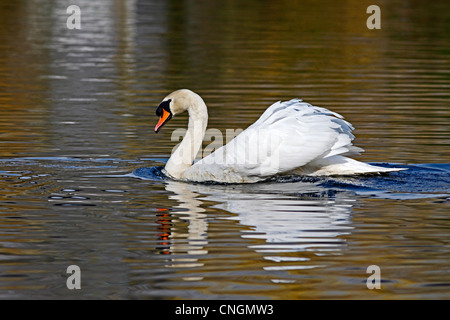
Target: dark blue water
column 431, row 180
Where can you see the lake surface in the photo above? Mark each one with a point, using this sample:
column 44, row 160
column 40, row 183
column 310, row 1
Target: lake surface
column 80, row 164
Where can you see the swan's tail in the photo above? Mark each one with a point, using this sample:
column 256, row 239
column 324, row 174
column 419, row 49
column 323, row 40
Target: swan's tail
column 340, row 165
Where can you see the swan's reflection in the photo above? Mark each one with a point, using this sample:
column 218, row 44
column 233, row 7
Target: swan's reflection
column 289, row 217
column 189, row 209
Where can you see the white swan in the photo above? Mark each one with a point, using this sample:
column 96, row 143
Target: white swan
column 291, row 137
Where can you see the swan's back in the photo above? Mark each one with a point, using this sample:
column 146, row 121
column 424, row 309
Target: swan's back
column 288, row 136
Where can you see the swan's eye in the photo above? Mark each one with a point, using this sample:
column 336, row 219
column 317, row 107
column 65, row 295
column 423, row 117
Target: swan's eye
column 164, row 114
column 165, row 105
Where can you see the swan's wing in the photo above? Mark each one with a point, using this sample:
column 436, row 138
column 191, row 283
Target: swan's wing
column 288, row 135
column 316, row 126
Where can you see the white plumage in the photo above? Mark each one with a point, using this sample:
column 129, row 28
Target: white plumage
column 289, row 137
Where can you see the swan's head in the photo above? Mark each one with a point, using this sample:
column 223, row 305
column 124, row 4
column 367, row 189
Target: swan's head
column 175, row 103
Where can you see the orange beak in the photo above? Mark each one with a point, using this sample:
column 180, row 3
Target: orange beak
column 162, row 120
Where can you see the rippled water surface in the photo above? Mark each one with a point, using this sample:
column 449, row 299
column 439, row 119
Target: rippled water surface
column 80, row 165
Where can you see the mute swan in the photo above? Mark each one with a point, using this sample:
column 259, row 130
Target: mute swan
column 291, row 137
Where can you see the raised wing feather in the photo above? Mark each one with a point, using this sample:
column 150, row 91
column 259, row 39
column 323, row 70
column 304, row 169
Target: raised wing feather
column 288, row 135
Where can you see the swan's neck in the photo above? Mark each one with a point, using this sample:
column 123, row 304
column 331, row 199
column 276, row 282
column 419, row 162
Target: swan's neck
column 183, row 157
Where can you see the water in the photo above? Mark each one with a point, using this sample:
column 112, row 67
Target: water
column 80, row 179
